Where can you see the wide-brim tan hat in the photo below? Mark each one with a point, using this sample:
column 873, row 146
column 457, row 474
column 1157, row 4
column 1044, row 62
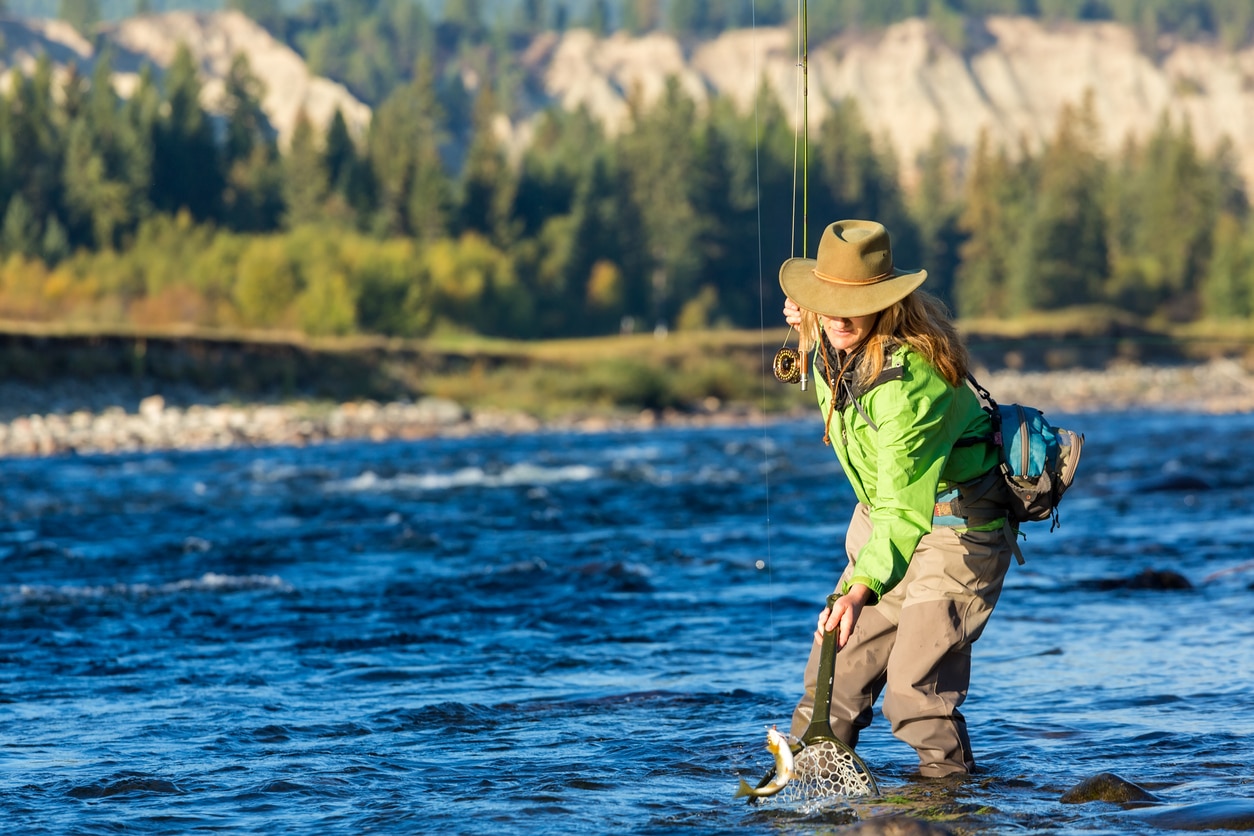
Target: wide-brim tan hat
column 853, row 274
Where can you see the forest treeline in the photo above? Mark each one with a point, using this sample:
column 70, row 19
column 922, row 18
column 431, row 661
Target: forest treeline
column 148, row 211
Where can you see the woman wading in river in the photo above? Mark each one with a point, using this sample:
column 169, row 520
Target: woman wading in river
column 928, row 544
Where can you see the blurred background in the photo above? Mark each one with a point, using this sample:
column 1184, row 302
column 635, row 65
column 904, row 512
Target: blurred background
column 450, row 172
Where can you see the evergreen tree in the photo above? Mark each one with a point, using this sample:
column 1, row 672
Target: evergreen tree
column 467, row 16
column 305, row 182
column 659, row 153
column 599, row 18
column 936, row 208
column 732, row 166
column 533, row 17
column 1229, row 288
column 107, row 166
column 19, row 232
column 488, row 184
column 36, row 133
column 348, row 176
column 854, row 179
column 1061, row 257
column 83, row 15
column 690, row 18
column 1165, row 205
column 641, row 16
column 994, row 203
column 187, row 170
column 268, row 13
column 253, row 197
column 405, row 138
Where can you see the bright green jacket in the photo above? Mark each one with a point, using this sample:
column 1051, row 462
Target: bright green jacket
column 898, row 469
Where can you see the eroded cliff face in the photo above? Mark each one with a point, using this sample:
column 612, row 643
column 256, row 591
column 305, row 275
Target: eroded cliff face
column 909, row 84
column 214, row 40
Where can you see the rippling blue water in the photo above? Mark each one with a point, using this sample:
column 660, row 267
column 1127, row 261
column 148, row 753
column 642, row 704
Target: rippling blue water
column 573, row 634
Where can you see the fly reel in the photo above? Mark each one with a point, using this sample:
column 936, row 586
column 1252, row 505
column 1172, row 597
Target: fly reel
column 787, row 365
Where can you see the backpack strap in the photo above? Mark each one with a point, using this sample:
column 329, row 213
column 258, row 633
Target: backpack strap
column 993, row 436
column 850, row 389
column 856, row 392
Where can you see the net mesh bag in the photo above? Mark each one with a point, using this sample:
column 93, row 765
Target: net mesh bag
column 823, row 770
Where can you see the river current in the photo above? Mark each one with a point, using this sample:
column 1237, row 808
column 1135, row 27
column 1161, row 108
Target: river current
column 587, row 633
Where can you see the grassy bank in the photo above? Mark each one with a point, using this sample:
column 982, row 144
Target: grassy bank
column 681, row 371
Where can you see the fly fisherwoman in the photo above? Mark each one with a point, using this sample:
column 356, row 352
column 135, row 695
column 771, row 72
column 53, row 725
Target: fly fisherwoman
column 928, row 545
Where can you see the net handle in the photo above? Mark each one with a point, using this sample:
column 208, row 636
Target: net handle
column 820, row 722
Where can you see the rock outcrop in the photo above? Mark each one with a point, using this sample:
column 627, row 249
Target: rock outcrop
column 214, row 38
column 908, row 82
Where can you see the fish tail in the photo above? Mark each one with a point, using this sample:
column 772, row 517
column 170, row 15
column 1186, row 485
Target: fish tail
column 757, row 792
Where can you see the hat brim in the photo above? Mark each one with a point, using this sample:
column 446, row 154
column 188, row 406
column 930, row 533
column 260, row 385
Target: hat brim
column 799, row 284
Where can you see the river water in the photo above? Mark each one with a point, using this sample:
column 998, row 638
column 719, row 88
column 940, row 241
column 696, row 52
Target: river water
column 582, row 633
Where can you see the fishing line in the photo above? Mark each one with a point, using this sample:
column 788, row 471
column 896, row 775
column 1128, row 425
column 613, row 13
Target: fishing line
column 766, row 448
column 801, row 162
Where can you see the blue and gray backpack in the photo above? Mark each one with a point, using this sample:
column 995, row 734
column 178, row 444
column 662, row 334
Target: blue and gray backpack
column 1038, row 460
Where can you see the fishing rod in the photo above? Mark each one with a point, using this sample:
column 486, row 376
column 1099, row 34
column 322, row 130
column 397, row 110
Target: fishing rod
column 792, row 365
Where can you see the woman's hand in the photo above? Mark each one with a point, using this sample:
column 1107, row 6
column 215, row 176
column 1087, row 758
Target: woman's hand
column 792, row 314
column 843, row 615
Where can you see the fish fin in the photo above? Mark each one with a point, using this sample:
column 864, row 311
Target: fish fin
column 744, row 789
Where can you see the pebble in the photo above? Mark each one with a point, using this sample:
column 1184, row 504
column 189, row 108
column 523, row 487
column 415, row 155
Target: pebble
column 89, row 418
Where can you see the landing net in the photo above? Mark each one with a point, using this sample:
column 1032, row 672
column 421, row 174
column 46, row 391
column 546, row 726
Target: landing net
column 824, row 770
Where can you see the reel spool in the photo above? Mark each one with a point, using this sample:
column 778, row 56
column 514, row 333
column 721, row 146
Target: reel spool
column 787, row 365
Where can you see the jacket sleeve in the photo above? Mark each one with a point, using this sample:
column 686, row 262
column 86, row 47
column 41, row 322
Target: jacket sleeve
column 910, row 448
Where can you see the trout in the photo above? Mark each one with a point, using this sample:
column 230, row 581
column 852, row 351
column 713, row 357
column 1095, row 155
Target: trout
column 777, row 745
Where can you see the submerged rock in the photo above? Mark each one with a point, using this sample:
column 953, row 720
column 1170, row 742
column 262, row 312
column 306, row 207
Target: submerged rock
column 1225, row 814
column 1145, row 579
column 1107, row 786
column 897, row 826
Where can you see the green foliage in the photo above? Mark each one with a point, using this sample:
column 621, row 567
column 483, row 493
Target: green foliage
column 137, row 212
column 620, row 382
column 1062, row 253
column 83, row 15
column 266, row 284
column 660, row 158
column 187, row 169
column 305, row 181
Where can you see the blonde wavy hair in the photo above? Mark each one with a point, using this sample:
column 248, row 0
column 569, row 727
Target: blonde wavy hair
column 920, row 321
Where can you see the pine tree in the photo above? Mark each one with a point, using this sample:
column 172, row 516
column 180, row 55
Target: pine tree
column 599, row 18
column 488, row 184
column 1061, row 258
column 405, row 138
column 106, row 166
column 305, row 182
column 855, row 180
column 659, row 154
column 83, row 15
column 253, row 198
column 36, row 131
column 19, row 232
column 533, row 17
column 348, row 177
column 467, row 16
column 187, row 170
column 641, row 16
column 992, row 207
column 1164, row 207
column 268, row 13
column 935, row 210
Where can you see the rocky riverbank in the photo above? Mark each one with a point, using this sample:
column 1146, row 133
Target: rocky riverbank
column 126, row 417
